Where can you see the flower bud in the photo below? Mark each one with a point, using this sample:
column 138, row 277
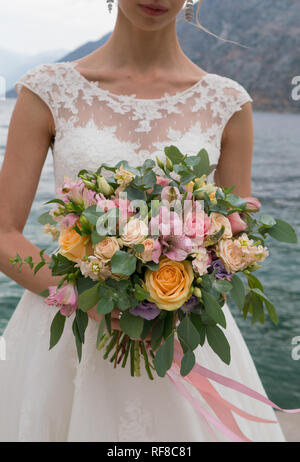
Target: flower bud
column 198, row 292
column 160, row 163
column 89, row 184
column 198, row 280
column 169, row 164
column 104, row 186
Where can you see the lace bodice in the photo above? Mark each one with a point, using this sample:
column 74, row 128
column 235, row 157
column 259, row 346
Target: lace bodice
column 94, row 125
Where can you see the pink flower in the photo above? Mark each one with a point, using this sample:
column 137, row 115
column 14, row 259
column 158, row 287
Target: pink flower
column 197, row 226
column 236, row 223
column 157, row 251
column 69, row 220
column 65, row 298
column 253, row 204
column 162, row 181
column 170, row 194
column 171, row 242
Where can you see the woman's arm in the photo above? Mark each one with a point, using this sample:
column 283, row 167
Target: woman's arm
column 30, row 131
column 235, row 163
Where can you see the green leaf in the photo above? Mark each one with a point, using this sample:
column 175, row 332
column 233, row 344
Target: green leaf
column 56, row 201
column 131, row 325
column 100, row 330
column 254, row 283
column 60, row 265
column 187, row 362
column 157, row 333
column 188, row 332
column 236, row 201
column 169, row 323
column 174, row 154
column 202, row 167
column 78, row 341
column 56, row 329
column 213, row 308
column 164, row 356
column 82, row 322
column 218, row 342
column 238, row 291
column 222, row 286
column 39, row 266
column 149, row 179
column 272, row 312
column 152, row 266
column 140, row 293
column 258, row 309
column 46, row 219
column 283, row 232
column 197, row 321
column 84, row 284
column 44, row 293
column 89, row 298
column 123, row 263
column 191, row 161
column 267, row 221
column 105, row 306
column 269, row 305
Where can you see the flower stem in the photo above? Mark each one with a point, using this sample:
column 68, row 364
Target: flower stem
column 111, row 344
column 147, row 366
column 103, row 340
column 126, row 352
column 137, row 359
column 132, row 364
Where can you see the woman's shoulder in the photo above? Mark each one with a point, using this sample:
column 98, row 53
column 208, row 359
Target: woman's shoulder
column 229, row 89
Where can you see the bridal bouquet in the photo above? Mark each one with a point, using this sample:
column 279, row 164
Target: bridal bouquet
column 165, row 247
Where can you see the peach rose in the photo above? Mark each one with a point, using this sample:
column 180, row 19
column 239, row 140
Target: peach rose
column 135, row 232
column 170, row 285
column 237, row 254
column 146, row 255
column 232, row 255
column 106, row 248
column 216, row 222
column 74, row 246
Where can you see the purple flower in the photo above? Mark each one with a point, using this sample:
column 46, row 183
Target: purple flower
column 146, row 310
column 221, row 271
column 192, row 303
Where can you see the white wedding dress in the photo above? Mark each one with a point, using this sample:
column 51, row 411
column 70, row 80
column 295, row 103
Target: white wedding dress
column 46, row 395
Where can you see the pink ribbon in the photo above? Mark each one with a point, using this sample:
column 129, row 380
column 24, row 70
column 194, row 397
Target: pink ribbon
column 223, row 409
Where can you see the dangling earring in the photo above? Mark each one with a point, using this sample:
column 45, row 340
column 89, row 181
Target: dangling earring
column 189, row 10
column 110, row 4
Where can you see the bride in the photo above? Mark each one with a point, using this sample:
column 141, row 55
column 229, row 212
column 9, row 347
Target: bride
column 127, row 100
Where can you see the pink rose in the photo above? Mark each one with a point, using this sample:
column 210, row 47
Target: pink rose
column 237, row 224
column 253, row 204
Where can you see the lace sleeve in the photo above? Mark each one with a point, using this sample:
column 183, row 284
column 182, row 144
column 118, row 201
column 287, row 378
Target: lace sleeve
column 234, row 96
column 42, row 81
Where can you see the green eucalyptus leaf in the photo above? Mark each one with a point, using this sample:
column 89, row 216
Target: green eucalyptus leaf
column 218, row 342
column 213, row 308
column 56, row 329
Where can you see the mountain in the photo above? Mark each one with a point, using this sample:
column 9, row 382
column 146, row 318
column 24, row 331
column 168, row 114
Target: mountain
column 271, row 31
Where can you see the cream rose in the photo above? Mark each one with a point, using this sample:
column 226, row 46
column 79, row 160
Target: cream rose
column 217, row 220
column 232, row 255
column 170, row 285
column 135, row 232
column 106, row 248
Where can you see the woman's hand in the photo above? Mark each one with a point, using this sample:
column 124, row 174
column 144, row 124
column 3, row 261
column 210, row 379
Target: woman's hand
column 115, row 321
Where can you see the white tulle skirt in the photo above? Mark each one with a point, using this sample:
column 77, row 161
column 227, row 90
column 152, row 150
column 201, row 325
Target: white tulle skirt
column 47, row 396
